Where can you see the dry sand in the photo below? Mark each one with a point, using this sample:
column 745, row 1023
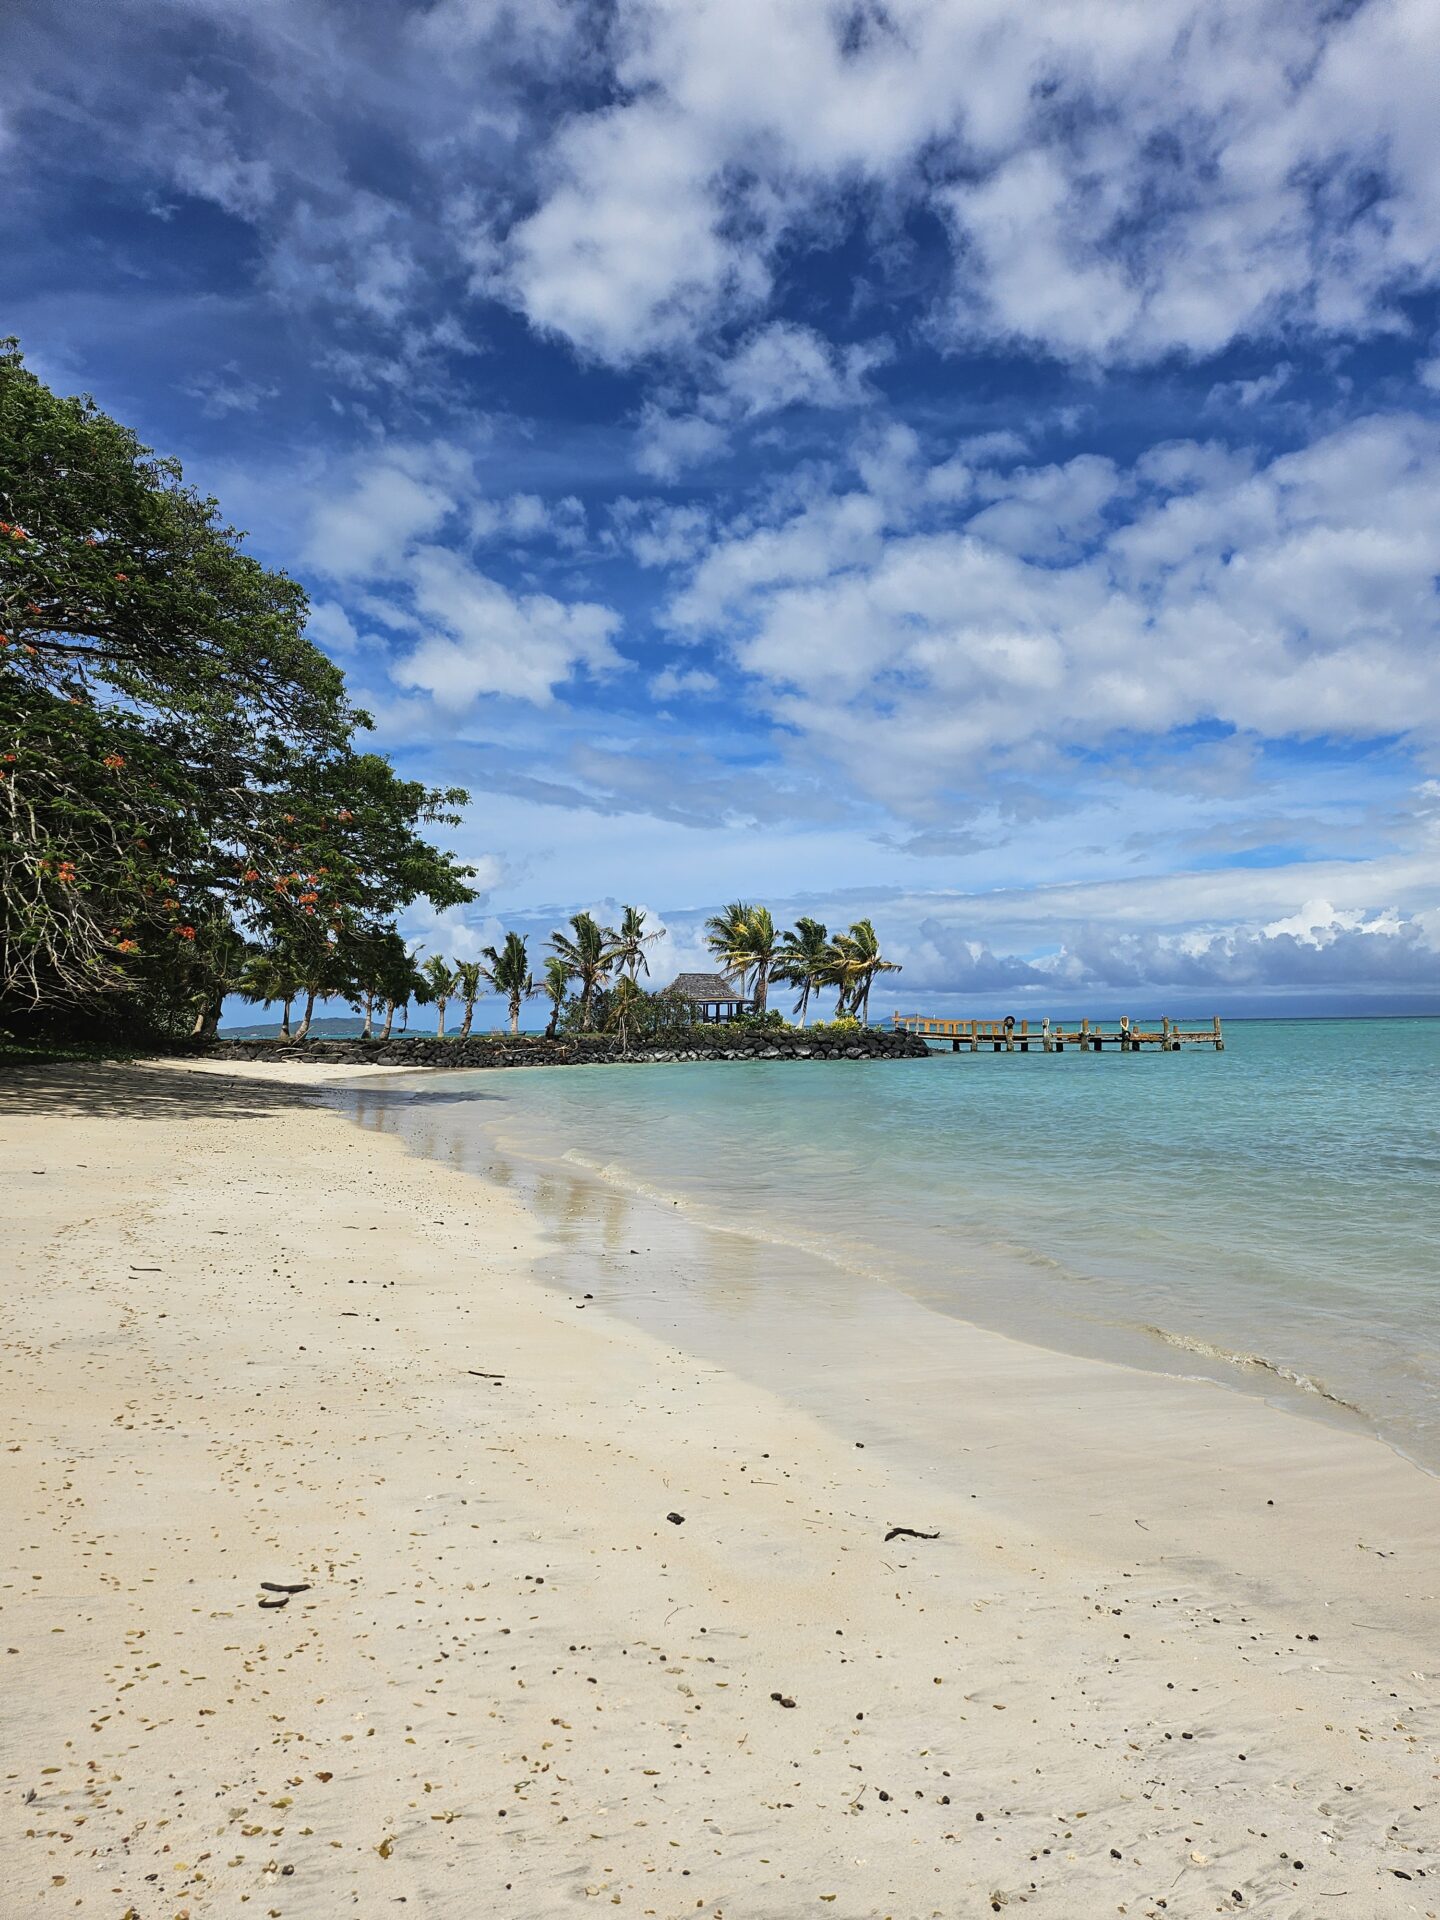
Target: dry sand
column 247, row 1343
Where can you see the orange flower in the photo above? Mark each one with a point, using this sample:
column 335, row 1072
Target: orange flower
column 186, row 933
column 115, row 760
column 122, row 576
column 129, row 946
column 251, row 874
column 305, row 898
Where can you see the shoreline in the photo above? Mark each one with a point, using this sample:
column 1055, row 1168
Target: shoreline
column 1136, row 1345
column 1054, row 1692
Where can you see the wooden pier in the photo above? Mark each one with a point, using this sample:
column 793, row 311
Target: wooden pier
column 1009, row 1036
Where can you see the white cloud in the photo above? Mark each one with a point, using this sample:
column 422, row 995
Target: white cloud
column 203, row 158
column 366, row 528
column 1120, row 182
column 484, row 639
column 666, row 443
column 1080, row 601
column 682, row 680
column 629, row 252
column 784, row 365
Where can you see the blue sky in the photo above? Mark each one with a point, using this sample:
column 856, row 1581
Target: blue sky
column 973, row 465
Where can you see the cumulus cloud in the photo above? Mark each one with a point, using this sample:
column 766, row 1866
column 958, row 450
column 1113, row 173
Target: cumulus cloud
column 1080, row 602
column 483, row 639
column 671, row 681
column 391, row 533
column 1122, row 184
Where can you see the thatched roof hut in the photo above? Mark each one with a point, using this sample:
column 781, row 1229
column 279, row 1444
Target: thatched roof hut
column 715, row 996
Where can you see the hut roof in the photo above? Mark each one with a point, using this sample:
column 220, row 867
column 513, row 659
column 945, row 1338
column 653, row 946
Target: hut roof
column 707, row 988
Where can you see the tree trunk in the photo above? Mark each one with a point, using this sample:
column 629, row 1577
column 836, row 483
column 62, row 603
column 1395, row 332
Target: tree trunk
column 761, row 989
column 514, row 1016
column 469, row 1016
column 440, row 1006
column 207, row 1020
column 285, row 1017
column 389, row 1019
column 304, row 1026
column 554, row 1020
column 369, row 1004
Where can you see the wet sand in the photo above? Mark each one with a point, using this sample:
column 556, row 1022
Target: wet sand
column 247, row 1343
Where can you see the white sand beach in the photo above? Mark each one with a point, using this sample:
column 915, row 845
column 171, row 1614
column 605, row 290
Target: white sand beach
column 582, row 1620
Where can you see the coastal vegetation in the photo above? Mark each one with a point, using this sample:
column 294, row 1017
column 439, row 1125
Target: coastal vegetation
column 187, row 807
column 590, row 977
column 189, row 811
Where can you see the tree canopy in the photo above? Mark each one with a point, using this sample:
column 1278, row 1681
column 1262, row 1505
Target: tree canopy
column 180, row 780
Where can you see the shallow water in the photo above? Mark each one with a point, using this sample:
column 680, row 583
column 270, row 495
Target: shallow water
column 1268, row 1217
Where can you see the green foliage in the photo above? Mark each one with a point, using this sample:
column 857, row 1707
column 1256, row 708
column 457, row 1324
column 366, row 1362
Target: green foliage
column 508, row 971
column 743, row 939
column 178, row 773
column 631, row 940
column 588, row 953
column 854, row 966
column 803, row 960
column 770, row 1021
column 555, row 985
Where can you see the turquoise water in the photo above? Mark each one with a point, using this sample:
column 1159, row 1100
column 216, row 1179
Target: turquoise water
column 1268, row 1217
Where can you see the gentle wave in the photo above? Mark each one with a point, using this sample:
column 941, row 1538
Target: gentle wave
column 1255, row 1363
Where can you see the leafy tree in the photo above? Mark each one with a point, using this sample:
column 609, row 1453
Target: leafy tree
column 555, row 985
column 631, row 940
column 727, row 936
column 588, row 952
column 471, row 978
column 802, row 960
column 509, row 973
column 267, row 978
column 625, row 1008
column 395, row 977
column 440, row 985
column 854, row 963
column 743, row 938
column 177, row 763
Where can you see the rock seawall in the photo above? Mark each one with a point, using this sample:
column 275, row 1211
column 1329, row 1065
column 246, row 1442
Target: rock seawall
column 501, row 1050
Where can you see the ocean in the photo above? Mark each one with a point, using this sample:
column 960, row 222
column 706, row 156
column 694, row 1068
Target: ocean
column 1267, row 1217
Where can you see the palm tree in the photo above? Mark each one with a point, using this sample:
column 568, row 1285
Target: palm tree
column 631, row 941
column 509, row 973
column 625, row 1001
column 801, row 961
column 393, row 977
column 470, row 978
column 727, row 936
column 855, row 963
column 763, row 943
column 555, row 986
column 588, row 952
column 268, row 977
column 742, row 938
column 440, row 989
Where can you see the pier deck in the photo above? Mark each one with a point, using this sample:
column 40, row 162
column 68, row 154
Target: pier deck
column 1091, row 1036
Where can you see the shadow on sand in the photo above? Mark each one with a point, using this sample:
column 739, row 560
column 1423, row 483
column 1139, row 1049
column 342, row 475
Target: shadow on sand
column 143, row 1090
